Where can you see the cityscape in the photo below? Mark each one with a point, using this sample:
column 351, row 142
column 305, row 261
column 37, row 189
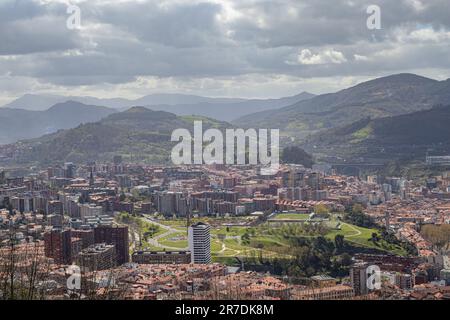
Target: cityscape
column 224, row 150
column 223, row 232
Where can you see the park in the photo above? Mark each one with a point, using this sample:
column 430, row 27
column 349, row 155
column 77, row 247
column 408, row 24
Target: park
column 240, row 237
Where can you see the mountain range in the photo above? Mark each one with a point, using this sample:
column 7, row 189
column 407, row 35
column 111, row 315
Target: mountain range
column 228, row 111
column 407, row 137
column 399, row 116
column 138, row 134
column 382, row 97
column 17, row 124
column 224, row 109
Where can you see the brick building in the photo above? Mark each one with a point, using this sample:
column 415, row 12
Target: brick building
column 118, row 236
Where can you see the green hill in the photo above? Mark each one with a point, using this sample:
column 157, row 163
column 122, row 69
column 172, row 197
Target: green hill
column 407, row 136
column 138, row 134
column 383, row 97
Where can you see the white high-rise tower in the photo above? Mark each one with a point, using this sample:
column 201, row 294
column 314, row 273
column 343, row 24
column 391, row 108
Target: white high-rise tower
column 200, row 243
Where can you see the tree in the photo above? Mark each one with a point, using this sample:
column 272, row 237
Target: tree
column 374, row 238
column 24, row 270
column 346, row 259
column 321, row 211
column 357, row 208
column 297, row 155
column 357, row 217
column 439, row 236
column 245, row 238
column 339, row 242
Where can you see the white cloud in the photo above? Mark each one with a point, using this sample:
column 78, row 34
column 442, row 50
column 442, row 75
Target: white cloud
column 359, row 57
column 325, row 57
column 428, row 34
column 416, row 4
column 216, row 47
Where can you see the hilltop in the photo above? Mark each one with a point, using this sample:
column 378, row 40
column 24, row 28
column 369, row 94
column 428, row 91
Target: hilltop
column 383, row 97
column 138, row 134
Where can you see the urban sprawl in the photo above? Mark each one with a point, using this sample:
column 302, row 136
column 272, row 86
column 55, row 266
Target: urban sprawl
column 128, row 231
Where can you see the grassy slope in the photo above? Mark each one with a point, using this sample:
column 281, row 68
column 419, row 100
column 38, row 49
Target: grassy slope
column 266, row 242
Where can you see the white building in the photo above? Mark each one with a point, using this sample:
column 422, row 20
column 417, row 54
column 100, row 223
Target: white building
column 240, row 210
column 89, row 210
column 200, row 243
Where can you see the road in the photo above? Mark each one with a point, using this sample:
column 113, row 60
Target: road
column 169, row 230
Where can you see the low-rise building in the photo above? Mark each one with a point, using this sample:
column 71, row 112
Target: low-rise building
column 161, row 257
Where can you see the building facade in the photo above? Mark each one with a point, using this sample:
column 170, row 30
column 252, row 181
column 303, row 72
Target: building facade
column 200, row 243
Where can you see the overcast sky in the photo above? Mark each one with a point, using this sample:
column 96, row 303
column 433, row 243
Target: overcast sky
column 245, row 48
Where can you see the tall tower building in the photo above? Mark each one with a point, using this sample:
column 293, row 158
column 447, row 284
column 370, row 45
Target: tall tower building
column 387, row 220
column 69, row 170
column 91, row 177
column 58, row 245
column 2, row 177
column 118, row 236
column 200, row 243
column 358, row 277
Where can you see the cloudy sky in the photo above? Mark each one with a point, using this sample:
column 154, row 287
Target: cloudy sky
column 245, row 48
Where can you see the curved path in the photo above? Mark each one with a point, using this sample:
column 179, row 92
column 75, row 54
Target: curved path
column 357, row 232
column 224, row 248
column 169, row 230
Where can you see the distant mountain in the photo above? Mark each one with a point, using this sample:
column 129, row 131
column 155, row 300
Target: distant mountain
column 407, row 136
column 35, row 102
column 17, row 124
column 138, row 134
column 224, row 109
column 228, row 111
column 180, row 99
column 383, row 97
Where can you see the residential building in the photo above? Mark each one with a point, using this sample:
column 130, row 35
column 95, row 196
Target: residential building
column 161, row 257
column 97, row 257
column 58, row 245
column 200, row 243
column 118, row 236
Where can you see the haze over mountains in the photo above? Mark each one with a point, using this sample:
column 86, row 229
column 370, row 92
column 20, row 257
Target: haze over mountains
column 359, row 121
column 225, row 109
column 228, row 111
column 382, row 97
column 138, row 134
column 40, row 102
column 17, row 124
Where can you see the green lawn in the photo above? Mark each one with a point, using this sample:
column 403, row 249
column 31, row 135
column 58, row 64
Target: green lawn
column 179, row 244
column 146, row 226
column 361, row 236
column 265, row 238
column 291, row 216
column 229, row 231
column 175, row 240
